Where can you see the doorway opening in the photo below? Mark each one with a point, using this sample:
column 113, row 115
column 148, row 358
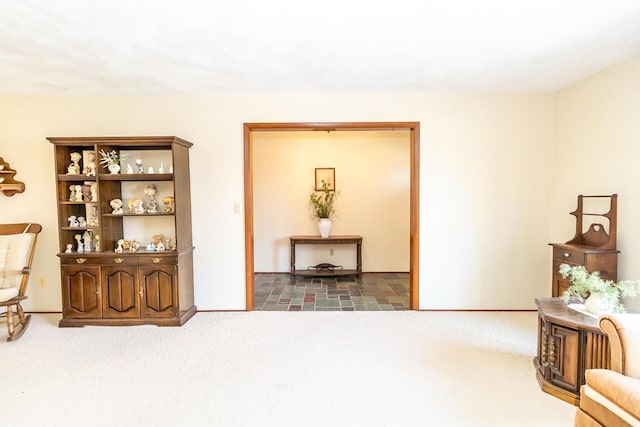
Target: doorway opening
column 413, row 129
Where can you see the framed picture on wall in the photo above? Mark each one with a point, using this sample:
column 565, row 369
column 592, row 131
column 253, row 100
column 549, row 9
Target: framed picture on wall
column 327, row 175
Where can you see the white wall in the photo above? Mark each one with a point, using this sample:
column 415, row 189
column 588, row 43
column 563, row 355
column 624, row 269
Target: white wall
column 485, row 179
column 597, row 151
column 372, row 178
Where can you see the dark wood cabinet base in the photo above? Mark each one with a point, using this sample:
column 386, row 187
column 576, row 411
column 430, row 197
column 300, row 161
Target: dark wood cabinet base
column 173, row 321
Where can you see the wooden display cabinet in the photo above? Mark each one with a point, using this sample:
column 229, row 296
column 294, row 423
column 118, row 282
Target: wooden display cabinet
column 99, row 285
column 594, row 248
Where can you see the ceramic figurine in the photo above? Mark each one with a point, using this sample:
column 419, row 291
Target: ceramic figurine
column 168, row 245
column 170, row 201
column 79, row 193
column 72, row 193
column 151, row 247
column 86, row 238
column 150, row 169
column 139, row 164
column 93, row 220
column 69, row 248
column 73, row 221
column 82, row 222
column 119, row 247
column 86, row 193
column 152, row 205
column 156, row 241
column 161, row 168
column 90, row 167
column 135, row 246
column 78, row 238
column 136, row 206
column 94, row 192
column 129, row 168
column 116, row 204
column 97, row 245
column 74, row 167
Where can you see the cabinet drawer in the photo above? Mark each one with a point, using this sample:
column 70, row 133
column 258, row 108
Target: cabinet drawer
column 568, row 255
column 160, row 258
column 81, row 260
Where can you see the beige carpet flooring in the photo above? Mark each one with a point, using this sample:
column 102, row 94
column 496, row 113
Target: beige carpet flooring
column 281, row 369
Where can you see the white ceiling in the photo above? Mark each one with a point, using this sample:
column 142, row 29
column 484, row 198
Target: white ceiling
column 241, row 46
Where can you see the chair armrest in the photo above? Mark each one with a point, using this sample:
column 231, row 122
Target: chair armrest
column 623, row 331
column 609, row 386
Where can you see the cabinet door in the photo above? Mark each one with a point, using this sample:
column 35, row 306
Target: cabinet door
column 158, row 291
column 120, row 292
column 563, row 348
column 81, row 292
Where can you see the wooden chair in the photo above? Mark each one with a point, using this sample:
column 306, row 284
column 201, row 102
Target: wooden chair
column 17, row 245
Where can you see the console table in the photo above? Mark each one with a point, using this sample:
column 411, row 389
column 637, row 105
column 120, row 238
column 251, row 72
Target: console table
column 331, row 240
column 568, row 344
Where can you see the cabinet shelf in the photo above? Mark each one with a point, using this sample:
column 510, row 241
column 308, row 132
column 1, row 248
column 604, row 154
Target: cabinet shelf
column 67, row 177
column 124, row 288
column 137, row 177
column 138, row 215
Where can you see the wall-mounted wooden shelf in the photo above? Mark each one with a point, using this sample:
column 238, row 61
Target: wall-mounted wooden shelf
column 9, row 186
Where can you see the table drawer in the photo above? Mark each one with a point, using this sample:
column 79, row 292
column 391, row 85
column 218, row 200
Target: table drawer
column 570, row 256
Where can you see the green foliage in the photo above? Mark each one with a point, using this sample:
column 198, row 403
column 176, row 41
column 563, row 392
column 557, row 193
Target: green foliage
column 322, row 202
column 111, row 158
column 584, row 283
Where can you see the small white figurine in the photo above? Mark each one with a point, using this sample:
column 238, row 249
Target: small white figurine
column 72, row 193
column 170, row 201
column 93, row 220
column 151, row 247
column 69, row 248
column 171, row 169
column 82, row 222
column 79, row 193
column 94, row 192
column 136, row 206
column 150, row 169
column 74, row 167
column 152, row 205
column 161, row 168
column 90, row 167
column 73, row 221
column 116, row 204
column 129, row 168
column 86, row 238
column 119, row 248
column 168, row 246
column 79, row 240
column 139, row 164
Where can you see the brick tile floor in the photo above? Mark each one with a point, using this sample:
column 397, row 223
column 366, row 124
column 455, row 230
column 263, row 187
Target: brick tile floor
column 372, row 292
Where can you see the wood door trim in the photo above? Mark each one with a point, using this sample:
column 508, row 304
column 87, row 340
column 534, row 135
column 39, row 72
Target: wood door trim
column 414, row 220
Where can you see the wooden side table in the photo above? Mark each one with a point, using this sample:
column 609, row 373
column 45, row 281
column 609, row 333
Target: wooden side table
column 568, row 344
column 331, row 240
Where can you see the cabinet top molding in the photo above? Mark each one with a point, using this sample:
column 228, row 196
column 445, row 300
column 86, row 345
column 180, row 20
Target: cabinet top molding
column 139, row 141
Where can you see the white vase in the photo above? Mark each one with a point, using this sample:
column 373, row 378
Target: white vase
column 324, row 225
column 597, row 303
column 114, row 169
